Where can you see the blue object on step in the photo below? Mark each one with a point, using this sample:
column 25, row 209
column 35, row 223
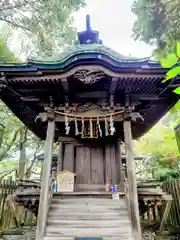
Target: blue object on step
column 111, row 189
column 55, row 187
column 115, row 188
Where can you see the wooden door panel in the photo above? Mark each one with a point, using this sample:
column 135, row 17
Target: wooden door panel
column 83, row 165
column 97, row 166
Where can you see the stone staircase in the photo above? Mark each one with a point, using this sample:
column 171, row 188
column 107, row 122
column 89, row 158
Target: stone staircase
column 88, row 217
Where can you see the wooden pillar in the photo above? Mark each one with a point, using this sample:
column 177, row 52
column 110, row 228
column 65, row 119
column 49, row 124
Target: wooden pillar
column 60, row 157
column 133, row 195
column 44, row 195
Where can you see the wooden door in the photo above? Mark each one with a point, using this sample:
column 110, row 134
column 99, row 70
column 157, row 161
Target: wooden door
column 94, row 166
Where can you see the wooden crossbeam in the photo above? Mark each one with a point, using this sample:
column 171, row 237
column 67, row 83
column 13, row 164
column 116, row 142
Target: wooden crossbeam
column 95, row 94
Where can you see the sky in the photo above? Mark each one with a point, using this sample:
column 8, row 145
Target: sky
column 114, row 20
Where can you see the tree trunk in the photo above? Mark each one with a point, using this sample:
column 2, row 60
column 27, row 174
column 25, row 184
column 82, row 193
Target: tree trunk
column 22, row 156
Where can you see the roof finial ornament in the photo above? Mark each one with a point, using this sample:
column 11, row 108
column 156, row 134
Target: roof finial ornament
column 89, row 36
column 88, row 22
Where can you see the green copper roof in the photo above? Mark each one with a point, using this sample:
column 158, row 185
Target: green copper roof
column 76, row 50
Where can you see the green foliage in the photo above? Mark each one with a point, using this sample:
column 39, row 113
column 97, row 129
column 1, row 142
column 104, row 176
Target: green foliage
column 177, row 132
column 172, row 73
column 169, row 61
column 177, row 90
column 5, row 54
column 157, row 23
column 172, row 61
column 47, row 24
column 161, row 146
column 178, row 49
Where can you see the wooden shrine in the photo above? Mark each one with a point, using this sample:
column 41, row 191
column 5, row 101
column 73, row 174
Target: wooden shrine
column 89, row 101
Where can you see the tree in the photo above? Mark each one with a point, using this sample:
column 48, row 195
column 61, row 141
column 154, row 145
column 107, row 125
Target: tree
column 16, row 141
column 160, row 145
column 48, row 24
column 157, row 23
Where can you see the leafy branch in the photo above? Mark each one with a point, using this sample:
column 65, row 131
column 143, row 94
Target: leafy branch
column 172, row 61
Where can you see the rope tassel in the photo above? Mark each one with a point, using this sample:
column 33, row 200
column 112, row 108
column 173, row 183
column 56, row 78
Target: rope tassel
column 99, row 127
column 106, row 127
column 76, row 127
column 91, row 128
column 67, row 127
column 82, row 127
column 112, row 128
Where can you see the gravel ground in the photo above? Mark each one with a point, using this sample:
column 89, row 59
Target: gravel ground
column 147, row 234
column 28, row 233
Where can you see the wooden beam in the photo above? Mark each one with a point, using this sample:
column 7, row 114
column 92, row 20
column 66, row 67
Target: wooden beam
column 174, row 85
column 56, row 75
column 113, row 85
column 164, row 220
column 67, row 139
column 133, row 195
column 95, row 94
column 144, row 97
column 44, row 194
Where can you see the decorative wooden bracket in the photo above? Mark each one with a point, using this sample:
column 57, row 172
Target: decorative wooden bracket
column 45, row 116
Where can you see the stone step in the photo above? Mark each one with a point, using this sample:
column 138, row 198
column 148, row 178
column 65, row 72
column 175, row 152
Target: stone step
column 86, row 210
column 93, row 204
column 87, row 223
column 72, row 217
column 94, row 214
column 87, row 216
column 83, row 207
column 119, row 237
column 88, row 231
column 92, row 201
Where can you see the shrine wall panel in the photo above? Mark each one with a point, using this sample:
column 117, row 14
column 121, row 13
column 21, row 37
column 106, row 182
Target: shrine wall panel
column 108, row 172
column 69, row 157
column 113, row 165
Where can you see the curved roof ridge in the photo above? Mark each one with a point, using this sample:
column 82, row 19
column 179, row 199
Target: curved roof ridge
column 82, row 49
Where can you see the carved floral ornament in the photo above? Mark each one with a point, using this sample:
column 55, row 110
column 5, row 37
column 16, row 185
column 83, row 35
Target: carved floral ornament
column 89, row 76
